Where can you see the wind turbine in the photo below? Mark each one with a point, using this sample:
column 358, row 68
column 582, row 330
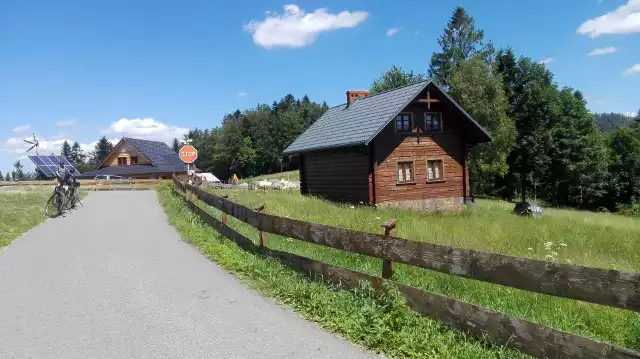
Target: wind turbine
column 34, row 144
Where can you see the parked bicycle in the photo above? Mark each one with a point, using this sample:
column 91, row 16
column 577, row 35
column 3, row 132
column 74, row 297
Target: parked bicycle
column 66, row 194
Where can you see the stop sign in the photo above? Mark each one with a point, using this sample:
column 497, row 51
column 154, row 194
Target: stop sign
column 188, row 154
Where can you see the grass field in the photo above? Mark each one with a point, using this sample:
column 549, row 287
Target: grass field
column 20, row 210
column 384, row 325
column 583, row 238
column 288, row 176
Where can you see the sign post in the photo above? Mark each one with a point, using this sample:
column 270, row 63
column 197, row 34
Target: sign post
column 188, row 154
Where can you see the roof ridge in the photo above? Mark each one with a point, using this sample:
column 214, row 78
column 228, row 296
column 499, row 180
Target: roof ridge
column 398, row 88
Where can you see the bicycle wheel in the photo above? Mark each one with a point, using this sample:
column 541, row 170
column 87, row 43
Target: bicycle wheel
column 73, row 197
column 53, row 208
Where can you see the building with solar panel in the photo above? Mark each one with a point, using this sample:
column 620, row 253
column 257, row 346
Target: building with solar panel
column 139, row 159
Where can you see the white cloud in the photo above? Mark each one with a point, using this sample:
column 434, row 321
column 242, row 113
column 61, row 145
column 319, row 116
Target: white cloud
column 632, row 70
column 22, row 128
column 630, row 114
column 243, row 94
column 145, row 128
column 295, row 28
column 392, row 31
column 623, row 20
column 68, row 123
column 546, row 61
column 603, row 51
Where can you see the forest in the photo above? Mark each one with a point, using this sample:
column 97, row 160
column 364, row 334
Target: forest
column 547, row 145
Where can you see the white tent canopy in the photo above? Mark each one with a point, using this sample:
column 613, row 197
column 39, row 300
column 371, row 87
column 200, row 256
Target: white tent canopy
column 208, row 177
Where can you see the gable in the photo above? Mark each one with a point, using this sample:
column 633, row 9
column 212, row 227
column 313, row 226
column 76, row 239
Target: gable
column 359, row 122
column 123, row 149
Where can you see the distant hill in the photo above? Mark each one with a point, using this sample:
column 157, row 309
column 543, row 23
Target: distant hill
column 609, row 122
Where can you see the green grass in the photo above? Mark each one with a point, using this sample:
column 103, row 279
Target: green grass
column 384, row 325
column 591, row 239
column 20, row 210
column 288, row 176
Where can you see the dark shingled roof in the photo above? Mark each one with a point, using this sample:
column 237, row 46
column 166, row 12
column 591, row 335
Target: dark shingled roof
column 159, row 153
column 361, row 121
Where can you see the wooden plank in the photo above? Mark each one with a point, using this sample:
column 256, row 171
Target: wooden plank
column 527, row 337
column 602, row 286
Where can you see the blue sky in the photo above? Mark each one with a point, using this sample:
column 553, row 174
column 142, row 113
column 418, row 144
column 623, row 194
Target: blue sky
column 78, row 70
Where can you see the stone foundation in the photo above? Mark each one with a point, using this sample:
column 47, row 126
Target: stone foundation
column 447, row 204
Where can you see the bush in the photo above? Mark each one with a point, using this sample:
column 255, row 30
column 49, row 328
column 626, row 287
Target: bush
column 632, row 210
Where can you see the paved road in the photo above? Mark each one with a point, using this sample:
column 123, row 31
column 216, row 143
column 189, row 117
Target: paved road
column 114, row 280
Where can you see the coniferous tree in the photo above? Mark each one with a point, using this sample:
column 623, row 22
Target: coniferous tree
column 65, row 151
column 460, row 41
column 175, row 145
column 77, row 155
column 7, row 177
column 18, row 174
column 1, row 176
column 101, row 150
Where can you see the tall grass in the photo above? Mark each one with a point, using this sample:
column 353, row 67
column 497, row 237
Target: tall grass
column 584, row 238
column 384, row 325
column 20, row 210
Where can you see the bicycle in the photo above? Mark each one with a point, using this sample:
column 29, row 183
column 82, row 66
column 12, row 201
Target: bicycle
column 65, row 196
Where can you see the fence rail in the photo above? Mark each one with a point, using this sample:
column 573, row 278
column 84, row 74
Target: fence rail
column 97, row 185
column 608, row 287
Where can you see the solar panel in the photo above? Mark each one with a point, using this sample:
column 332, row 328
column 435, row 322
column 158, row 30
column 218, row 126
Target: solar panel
column 48, row 165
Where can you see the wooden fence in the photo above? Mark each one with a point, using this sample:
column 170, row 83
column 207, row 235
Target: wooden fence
column 98, row 185
column 602, row 286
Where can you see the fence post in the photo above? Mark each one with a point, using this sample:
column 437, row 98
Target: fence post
column 224, row 214
column 262, row 236
column 389, row 230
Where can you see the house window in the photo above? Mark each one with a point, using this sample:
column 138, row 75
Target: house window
column 405, row 172
column 134, row 160
column 404, row 122
column 433, row 121
column 435, row 170
column 122, row 161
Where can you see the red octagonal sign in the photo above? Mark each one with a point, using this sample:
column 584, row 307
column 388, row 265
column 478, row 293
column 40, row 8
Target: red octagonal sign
column 188, row 154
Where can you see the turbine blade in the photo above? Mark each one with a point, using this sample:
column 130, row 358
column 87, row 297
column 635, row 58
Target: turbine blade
column 27, row 141
column 30, row 148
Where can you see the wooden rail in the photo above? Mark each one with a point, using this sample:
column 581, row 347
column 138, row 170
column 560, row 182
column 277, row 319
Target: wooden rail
column 613, row 288
column 98, row 185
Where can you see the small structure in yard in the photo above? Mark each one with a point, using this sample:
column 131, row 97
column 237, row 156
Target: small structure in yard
column 406, row 147
column 528, row 209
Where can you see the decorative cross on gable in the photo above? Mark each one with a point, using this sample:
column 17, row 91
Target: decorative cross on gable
column 428, row 100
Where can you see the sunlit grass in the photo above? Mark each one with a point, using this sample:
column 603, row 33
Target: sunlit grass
column 583, row 238
column 287, row 176
column 20, row 210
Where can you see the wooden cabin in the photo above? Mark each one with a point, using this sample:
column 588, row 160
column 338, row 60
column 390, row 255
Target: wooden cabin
column 139, row 159
column 407, row 147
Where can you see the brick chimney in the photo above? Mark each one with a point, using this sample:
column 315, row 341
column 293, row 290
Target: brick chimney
column 352, row 95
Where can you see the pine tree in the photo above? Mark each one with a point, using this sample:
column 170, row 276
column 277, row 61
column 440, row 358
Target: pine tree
column 394, row 78
column 636, row 120
column 18, row 174
column 1, row 177
column 101, row 150
column 460, row 41
column 65, row 151
column 77, row 157
column 175, row 145
column 7, row 177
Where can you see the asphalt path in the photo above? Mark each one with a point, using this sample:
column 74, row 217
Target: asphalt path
column 114, row 280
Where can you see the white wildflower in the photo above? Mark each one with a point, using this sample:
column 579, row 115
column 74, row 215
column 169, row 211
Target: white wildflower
column 378, row 218
column 568, row 260
column 563, row 244
column 555, row 254
column 548, row 245
column 548, row 257
column 352, row 207
column 530, row 249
